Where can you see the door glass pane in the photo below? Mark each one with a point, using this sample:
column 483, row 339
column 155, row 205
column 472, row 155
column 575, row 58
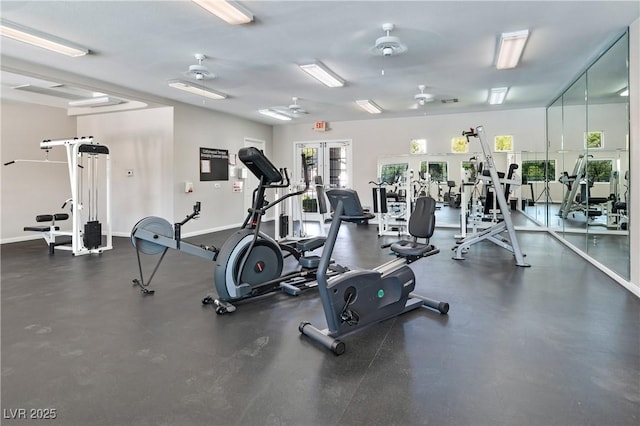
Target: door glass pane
column 338, row 173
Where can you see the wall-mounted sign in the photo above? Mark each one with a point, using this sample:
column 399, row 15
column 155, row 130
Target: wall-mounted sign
column 214, row 164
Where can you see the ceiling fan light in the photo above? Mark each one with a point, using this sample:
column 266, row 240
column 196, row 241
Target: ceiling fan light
column 229, row 11
column 274, row 114
column 497, row 95
column 42, row 40
column 197, row 89
column 324, row 75
column 369, row 106
column 511, row 48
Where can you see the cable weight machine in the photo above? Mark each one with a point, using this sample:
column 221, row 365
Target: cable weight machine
column 494, row 233
column 83, row 155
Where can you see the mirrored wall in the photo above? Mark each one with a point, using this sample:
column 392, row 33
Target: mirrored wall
column 587, row 163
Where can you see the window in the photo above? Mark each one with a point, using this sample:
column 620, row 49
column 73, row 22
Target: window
column 392, row 173
column 534, row 170
column 470, row 167
column 599, row 170
column 459, row 145
column 503, row 143
column 436, row 169
column 594, row 140
column 419, row 146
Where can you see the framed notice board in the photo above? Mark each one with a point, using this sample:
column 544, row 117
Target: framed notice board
column 214, row 164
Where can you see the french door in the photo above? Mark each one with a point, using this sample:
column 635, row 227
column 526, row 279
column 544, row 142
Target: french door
column 328, row 162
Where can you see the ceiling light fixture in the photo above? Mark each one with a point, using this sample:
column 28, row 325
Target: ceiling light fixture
column 274, row 114
column 324, row 75
column 369, row 106
column 39, row 39
column 511, row 47
column 95, row 102
column 497, row 95
column 229, row 11
column 197, row 89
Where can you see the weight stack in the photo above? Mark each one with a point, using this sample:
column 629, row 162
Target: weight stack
column 92, row 234
column 284, row 225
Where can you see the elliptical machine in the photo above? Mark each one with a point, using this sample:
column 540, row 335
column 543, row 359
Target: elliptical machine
column 356, row 299
column 249, row 263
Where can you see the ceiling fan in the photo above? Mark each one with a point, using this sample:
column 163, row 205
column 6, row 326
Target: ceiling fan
column 292, row 110
column 388, row 45
column 421, row 99
column 199, row 71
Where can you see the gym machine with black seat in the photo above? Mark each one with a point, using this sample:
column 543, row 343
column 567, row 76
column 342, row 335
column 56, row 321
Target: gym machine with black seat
column 89, row 168
column 359, row 298
column 249, row 263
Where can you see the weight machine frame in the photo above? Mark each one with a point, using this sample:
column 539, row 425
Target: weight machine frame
column 76, row 148
column 493, row 233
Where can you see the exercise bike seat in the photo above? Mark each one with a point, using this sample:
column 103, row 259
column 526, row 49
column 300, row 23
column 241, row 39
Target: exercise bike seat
column 406, row 248
column 422, row 223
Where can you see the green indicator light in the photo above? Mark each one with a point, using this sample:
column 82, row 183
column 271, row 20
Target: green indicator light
column 380, row 293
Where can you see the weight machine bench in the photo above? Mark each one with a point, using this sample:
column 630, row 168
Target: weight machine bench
column 49, row 232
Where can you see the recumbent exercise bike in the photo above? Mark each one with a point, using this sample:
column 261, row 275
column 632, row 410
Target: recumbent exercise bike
column 359, row 298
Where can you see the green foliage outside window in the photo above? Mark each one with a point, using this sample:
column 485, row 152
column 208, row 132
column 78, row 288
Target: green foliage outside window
column 594, row 140
column 504, row 143
column 599, row 170
column 419, row 146
column 471, row 168
column 392, row 173
column 534, row 170
column 459, row 145
column 437, row 170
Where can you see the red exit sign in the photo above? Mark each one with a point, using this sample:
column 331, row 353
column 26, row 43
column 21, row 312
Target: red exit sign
column 320, row 126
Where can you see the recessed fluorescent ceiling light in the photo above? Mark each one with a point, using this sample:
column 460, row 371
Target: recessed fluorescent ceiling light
column 497, row 95
column 196, row 89
column 323, row 74
column 369, row 106
column 274, row 114
column 229, row 11
column 511, row 47
column 39, row 39
column 96, row 102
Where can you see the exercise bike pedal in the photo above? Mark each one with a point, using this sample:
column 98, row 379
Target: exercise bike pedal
column 146, row 291
column 290, row 289
column 223, row 307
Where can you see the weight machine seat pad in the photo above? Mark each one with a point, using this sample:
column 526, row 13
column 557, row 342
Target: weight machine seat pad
column 407, row 248
column 51, row 217
column 310, row 244
column 486, row 172
column 620, row 205
column 597, row 200
column 41, row 228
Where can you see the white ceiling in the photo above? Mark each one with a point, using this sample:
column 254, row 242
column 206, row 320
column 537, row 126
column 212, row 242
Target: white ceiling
column 137, row 46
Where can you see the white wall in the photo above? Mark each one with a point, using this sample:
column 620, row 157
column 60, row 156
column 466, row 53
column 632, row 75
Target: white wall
column 30, row 189
column 196, row 128
column 373, row 139
column 142, row 141
column 160, row 145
